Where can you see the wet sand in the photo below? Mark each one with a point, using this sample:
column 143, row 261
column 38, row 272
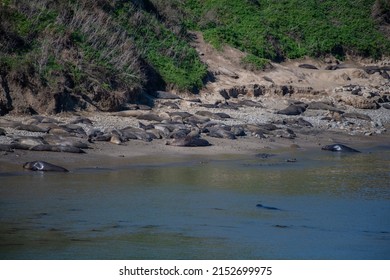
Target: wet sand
column 108, row 155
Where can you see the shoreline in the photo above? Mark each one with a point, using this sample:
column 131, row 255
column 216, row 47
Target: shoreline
column 288, row 108
column 136, row 152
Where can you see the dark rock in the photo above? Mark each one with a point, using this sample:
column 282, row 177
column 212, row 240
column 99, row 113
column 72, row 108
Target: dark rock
column 224, row 94
column 384, row 98
column 386, row 106
column 235, row 91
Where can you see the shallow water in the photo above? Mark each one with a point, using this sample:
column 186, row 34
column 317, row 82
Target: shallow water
column 329, row 206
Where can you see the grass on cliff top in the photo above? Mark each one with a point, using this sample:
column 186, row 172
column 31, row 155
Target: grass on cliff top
column 282, row 29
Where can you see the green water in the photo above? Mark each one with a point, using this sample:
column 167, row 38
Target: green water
column 331, row 206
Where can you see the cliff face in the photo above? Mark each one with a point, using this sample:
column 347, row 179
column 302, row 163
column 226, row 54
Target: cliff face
column 98, row 55
column 88, row 55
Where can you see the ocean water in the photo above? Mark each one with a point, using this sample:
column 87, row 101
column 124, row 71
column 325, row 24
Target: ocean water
column 323, row 206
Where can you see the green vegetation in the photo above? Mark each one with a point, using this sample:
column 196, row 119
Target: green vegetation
column 95, row 48
column 96, row 45
column 282, row 29
column 253, row 62
column 168, row 52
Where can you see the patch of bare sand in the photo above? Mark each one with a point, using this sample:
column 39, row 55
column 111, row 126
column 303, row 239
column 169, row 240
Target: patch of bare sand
column 228, row 71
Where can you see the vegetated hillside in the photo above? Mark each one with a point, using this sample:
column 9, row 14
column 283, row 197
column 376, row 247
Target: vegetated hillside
column 69, row 55
column 64, row 55
column 276, row 30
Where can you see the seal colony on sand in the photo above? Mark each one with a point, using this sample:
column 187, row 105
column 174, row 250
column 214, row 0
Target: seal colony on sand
column 292, row 104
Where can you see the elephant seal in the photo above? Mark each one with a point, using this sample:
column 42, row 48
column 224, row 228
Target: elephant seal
column 5, row 148
column 43, row 166
column 267, row 207
column 188, row 141
column 293, row 109
column 339, row 148
column 56, row 148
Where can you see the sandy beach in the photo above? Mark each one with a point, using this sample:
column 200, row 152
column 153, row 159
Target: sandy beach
column 102, row 154
column 296, row 105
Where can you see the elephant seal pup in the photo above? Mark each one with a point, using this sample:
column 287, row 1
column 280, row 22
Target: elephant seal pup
column 339, row 148
column 43, row 166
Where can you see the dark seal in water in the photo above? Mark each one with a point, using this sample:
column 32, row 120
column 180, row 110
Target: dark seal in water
column 339, row 148
column 267, row 207
column 43, row 166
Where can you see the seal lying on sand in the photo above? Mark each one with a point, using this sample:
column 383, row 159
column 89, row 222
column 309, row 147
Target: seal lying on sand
column 339, row 148
column 188, row 141
column 43, row 166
